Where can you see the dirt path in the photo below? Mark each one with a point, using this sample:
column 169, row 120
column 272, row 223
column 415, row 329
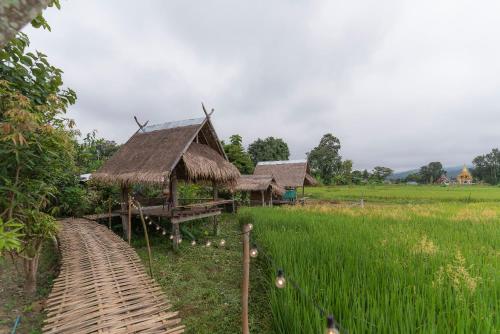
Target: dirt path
column 103, row 288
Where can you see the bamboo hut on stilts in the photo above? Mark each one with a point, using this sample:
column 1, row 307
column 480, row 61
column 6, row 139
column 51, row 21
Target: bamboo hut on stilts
column 163, row 154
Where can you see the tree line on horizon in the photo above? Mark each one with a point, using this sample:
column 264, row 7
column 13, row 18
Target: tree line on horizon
column 325, row 160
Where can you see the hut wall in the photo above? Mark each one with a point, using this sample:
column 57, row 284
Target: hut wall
column 256, row 197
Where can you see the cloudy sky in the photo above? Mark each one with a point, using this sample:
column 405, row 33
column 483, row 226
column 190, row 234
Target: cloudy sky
column 401, row 83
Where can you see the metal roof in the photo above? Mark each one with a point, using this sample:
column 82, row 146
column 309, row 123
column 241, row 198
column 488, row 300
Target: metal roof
column 281, row 162
column 176, row 124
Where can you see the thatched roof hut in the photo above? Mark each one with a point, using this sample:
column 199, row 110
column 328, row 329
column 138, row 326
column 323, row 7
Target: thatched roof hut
column 188, row 149
column 259, row 183
column 288, row 174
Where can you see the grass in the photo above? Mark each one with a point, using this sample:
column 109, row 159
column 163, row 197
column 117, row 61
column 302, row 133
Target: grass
column 204, row 284
column 13, row 300
column 406, row 193
column 427, row 268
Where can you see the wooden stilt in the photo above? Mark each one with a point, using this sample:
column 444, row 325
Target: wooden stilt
column 234, row 205
column 129, row 228
column 176, row 233
column 124, row 207
column 173, row 190
column 263, row 198
column 271, row 197
column 214, row 219
column 303, row 201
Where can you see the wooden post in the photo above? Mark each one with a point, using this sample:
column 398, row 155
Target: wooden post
column 263, row 198
column 123, row 209
column 234, row 205
column 176, row 233
column 173, row 190
column 129, row 229
column 145, row 228
column 271, row 197
column 215, row 195
column 246, row 279
column 109, row 212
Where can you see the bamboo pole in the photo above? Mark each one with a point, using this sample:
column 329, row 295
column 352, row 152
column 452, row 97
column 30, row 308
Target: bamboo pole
column 246, row 279
column 129, row 236
column 144, row 227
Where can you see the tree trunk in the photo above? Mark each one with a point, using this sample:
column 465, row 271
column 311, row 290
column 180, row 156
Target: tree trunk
column 30, row 270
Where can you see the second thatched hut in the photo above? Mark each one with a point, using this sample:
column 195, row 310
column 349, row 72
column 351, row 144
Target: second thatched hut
column 261, row 189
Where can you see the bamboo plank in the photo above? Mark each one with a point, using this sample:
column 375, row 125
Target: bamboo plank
column 103, row 288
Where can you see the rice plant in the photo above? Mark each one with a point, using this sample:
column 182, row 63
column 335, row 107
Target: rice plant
column 407, row 193
column 395, row 269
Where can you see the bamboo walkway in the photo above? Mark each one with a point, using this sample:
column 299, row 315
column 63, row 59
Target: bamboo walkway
column 103, row 288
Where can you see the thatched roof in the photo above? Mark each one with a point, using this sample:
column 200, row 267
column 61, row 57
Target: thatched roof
column 258, row 183
column 189, row 147
column 290, row 173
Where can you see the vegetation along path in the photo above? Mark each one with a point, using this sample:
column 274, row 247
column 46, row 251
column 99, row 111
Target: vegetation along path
column 103, row 288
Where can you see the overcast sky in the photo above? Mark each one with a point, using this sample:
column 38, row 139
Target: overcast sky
column 401, row 83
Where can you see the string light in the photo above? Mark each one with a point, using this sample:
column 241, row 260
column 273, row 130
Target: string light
column 330, row 325
column 280, row 279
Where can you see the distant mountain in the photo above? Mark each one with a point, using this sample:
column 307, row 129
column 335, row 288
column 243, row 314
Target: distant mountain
column 451, row 172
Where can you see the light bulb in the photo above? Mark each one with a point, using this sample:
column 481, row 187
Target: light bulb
column 254, row 252
column 280, row 279
column 147, row 217
column 164, row 232
column 157, row 227
column 180, row 240
column 193, row 243
column 330, row 325
column 209, row 243
column 150, row 222
column 222, row 243
column 171, row 237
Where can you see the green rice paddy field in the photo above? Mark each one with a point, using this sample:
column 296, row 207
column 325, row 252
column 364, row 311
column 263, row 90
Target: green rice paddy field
column 405, row 193
column 429, row 267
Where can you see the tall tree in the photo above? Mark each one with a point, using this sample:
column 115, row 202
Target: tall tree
column 380, row 173
column 93, row 151
column 324, row 159
column 487, row 167
column 431, row 172
column 36, row 147
column 237, row 155
column 268, row 149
